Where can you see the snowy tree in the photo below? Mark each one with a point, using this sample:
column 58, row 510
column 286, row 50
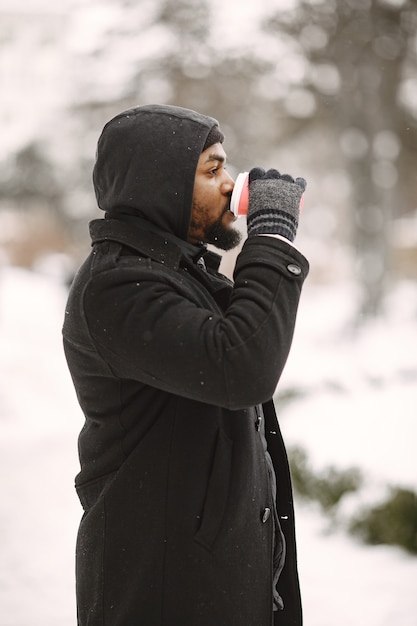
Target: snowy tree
column 362, row 57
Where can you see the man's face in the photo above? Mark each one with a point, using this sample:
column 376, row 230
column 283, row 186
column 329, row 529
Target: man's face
column 211, row 218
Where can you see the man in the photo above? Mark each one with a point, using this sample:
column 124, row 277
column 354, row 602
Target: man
column 184, row 478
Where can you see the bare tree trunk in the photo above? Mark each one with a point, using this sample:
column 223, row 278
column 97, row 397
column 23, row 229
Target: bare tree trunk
column 371, row 73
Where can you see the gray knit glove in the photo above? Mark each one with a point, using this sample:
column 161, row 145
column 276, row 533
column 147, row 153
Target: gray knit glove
column 274, row 203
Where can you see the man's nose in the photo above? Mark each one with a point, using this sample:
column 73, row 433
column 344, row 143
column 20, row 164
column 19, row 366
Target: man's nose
column 228, row 183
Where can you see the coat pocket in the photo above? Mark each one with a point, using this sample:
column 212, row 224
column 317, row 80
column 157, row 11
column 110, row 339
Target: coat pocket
column 90, row 492
column 217, row 494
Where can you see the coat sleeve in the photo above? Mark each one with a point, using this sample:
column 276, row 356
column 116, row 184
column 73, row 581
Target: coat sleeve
column 150, row 327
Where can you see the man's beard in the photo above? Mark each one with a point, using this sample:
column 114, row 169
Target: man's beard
column 221, row 237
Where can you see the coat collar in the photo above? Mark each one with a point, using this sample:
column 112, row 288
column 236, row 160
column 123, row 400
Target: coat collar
column 167, row 250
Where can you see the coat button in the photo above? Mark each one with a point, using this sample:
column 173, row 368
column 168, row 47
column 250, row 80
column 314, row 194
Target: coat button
column 294, row 269
column 266, row 514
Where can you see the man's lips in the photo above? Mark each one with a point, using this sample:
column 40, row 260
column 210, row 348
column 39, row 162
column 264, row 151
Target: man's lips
column 227, row 210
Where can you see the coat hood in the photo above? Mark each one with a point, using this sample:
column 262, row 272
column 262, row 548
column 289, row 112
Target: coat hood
column 146, row 161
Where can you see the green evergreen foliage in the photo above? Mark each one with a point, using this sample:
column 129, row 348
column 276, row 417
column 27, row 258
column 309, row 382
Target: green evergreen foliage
column 333, row 484
column 392, row 522
column 328, row 487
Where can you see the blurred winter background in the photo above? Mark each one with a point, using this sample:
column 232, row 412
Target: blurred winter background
column 326, row 89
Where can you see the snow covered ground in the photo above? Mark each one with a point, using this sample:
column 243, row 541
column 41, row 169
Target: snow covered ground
column 358, row 408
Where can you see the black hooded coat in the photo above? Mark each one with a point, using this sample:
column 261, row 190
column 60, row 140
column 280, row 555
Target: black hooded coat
column 170, row 362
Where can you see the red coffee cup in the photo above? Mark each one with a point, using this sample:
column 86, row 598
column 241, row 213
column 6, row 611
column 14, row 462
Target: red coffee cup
column 240, row 195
